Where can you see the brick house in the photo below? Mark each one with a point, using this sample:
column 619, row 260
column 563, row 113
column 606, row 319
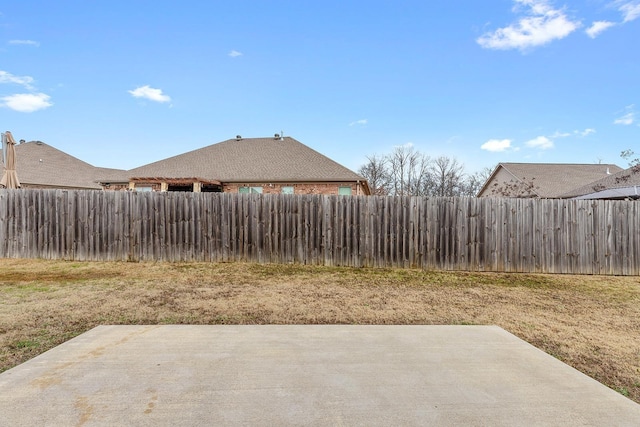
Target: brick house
column 543, row 180
column 623, row 185
column 270, row 165
column 40, row 165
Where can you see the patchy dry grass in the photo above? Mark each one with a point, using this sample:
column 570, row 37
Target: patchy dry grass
column 592, row 323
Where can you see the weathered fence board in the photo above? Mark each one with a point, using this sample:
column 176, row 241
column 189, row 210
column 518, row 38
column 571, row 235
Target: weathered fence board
column 511, row 235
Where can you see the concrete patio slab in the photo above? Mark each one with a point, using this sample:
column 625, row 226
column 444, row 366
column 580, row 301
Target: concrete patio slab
column 304, row 375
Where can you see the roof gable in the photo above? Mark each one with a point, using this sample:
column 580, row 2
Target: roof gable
column 251, row 160
column 553, row 180
column 42, row 164
column 623, row 179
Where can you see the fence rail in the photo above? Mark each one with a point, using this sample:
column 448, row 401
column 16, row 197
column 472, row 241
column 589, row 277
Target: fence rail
column 487, row 234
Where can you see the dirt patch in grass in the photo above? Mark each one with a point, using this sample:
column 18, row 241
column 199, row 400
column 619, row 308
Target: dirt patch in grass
column 589, row 322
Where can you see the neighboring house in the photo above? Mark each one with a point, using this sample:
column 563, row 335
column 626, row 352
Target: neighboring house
column 543, row 180
column 624, row 184
column 245, row 165
column 41, row 166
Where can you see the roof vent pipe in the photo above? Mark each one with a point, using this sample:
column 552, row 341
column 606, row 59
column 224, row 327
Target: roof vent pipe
column 238, row 137
column 276, row 136
column 608, row 172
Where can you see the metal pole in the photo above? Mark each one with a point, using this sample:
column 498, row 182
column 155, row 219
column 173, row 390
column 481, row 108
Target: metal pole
column 4, row 148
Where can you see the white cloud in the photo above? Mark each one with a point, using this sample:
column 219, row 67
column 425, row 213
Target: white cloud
column 540, row 25
column 23, row 102
column 628, row 118
column 541, row 142
column 585, row 132
column 496, row 145
column 452, row 139
column 597, row 27
column 406, row 145
column 150, row 93
column 630, row 9
column 24, row 81
column 234, row 54
column 581, row 133
column 361, row 122
column 625, row 120
column 27, row 102
column 25, row 42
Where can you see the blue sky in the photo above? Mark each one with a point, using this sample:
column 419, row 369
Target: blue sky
column 121, row 84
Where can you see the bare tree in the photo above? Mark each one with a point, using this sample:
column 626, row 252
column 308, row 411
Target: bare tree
column 634, row 167
column 525, row 188
column 408, row 170
column 447, row 176
column 628, row 156
column 376, row 172
column 474, row 182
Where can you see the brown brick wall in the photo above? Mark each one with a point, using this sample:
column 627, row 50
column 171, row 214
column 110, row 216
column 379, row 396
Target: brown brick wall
column 299, row 188
column 116, row 187
column 155, row 186
column 328, row 188
column 52, row 187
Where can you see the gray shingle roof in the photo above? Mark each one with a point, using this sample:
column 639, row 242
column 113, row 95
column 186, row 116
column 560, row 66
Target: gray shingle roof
column 110, row 175
column 250, row 160
column 620, row 180
column 41, row 164
column 245, row 160
column 632, row 192
column 553, row 180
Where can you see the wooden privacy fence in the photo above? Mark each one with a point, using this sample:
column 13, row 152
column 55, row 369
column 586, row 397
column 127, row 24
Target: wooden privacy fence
column 488, row 234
